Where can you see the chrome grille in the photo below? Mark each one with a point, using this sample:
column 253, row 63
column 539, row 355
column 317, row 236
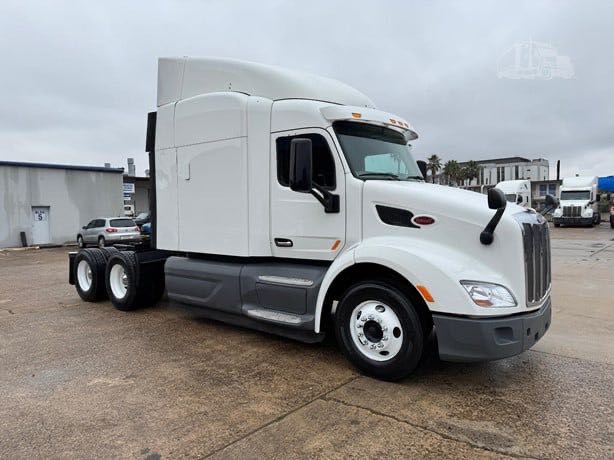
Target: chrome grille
column 572, row 211
column 536, row 240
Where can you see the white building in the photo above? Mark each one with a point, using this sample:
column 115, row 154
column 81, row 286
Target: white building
column 496, row 170
column 48, row 203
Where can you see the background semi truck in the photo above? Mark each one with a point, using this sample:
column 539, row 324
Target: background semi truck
column 578, row 202
column 288, row 203
column 517, row 191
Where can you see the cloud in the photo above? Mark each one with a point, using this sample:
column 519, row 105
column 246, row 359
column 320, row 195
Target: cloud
column 79, row 77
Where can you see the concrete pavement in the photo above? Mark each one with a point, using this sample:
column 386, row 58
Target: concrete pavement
column 82, row 380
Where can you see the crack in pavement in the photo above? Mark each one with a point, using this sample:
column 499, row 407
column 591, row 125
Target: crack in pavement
column 602, row 249
column 281, row 417
column 430, row 430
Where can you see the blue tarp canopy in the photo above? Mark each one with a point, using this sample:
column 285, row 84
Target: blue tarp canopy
column 606, row 184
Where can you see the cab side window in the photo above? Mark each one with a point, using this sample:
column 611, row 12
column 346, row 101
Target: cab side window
column 323, row 161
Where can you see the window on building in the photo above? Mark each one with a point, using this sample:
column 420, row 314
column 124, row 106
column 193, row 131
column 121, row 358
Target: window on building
column 543, row 189
column 517, row 172
column 552, row 189
column 323, row 161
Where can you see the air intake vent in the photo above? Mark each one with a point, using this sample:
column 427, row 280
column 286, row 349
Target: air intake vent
column 395, row 216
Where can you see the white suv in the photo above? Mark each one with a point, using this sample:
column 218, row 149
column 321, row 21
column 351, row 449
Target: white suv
column 109, row 230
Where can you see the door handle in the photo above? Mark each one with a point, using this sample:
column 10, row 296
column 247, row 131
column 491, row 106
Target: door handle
column 283, row 243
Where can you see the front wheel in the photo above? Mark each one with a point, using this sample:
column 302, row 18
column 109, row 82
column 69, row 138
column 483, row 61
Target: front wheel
column 379, row 330
column 80, row 242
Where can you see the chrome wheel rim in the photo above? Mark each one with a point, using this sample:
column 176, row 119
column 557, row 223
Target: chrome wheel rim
column 118, row 280
column 84, row 275
column 376, row 330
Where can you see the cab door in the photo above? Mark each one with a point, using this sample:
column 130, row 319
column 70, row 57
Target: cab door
column 300, row 227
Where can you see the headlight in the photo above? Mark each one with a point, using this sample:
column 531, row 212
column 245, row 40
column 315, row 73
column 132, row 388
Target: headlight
column 489, row 294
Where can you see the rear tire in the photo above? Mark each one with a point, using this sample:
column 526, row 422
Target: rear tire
column 127, row 288
column 379, row 330
column 89, row 275
column 557, row 225
column 101, row 242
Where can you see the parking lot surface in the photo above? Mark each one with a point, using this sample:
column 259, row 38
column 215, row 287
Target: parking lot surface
column 85, row 380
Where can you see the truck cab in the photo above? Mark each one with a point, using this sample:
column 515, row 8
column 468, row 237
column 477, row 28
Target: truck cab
column 578, row 202
column 288, row 203
column 517, row 191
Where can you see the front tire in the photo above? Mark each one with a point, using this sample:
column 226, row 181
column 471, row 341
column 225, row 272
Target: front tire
column 80, row 242
column 379, row 330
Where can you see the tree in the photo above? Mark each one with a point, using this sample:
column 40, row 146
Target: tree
column 452, row 171
column 433, row 164
column 471, row 170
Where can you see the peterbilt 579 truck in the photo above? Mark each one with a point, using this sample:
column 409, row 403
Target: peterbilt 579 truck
column 287, row 203
column 578, row 202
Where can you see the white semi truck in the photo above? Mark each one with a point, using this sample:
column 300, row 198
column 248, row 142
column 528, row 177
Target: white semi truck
column 578, row 202
column 288, row 203
column 517, row 191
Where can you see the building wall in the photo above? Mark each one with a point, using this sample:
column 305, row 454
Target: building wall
column 535, row 170
column 141, row 196
column 74, row 197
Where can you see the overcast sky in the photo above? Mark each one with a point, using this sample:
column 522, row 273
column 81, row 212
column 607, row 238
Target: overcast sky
column 79, row 77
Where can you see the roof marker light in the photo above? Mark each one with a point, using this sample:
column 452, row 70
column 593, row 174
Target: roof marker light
column 356, row 115
column 393, row 121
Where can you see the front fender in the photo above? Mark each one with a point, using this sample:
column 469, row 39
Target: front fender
column 439, row 268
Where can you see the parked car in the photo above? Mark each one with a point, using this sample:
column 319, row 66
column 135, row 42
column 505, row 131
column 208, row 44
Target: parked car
column 141, row 219
column 108, row 230
column 146, row 231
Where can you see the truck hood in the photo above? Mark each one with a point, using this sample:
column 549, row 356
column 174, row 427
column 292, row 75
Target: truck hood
column 435, row 200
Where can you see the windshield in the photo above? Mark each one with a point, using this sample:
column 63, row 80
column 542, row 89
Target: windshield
column 575, row 195
column 375, row 152
column 511, row 197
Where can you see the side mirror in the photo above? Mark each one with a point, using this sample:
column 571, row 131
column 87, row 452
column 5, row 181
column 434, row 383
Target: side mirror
column 519, row 199
column 422, row 166
column 301, row 165
column 496, row 199
column 551, row 201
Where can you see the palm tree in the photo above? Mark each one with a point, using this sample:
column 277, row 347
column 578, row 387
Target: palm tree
column 433, row 164
column 472, row 171
column 452, row 171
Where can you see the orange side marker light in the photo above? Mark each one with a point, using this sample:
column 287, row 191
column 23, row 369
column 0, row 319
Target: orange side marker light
column 425, row 293
column 335, row 245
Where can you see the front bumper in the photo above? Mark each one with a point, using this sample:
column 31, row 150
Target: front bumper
column 572, row 220
column 484, row 339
